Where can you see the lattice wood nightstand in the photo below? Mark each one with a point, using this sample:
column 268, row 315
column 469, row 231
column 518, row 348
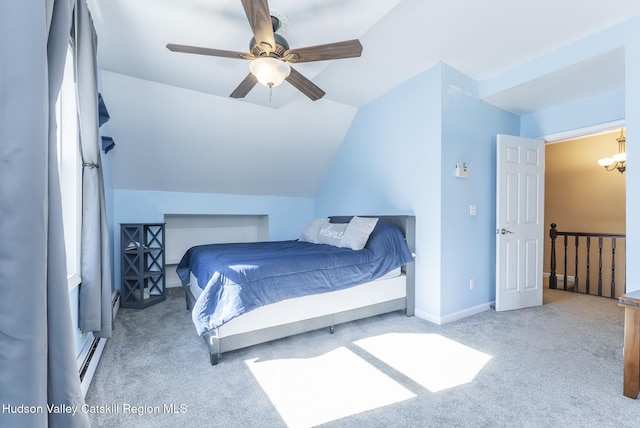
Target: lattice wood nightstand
column 142, row 264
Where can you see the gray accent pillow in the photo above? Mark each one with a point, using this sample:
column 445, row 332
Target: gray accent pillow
column 332, row 233
column 357, row 233
column 312, row 229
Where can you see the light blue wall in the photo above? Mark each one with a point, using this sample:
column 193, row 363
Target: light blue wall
column 603, row 108
column 389, row 163
column 287, row 216
column 632, row 103
column 399, row 158
column 469, row 129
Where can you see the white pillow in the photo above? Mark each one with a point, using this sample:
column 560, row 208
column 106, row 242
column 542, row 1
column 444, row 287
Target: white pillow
column 357, row 233
column 332, row 233
column 311, row 230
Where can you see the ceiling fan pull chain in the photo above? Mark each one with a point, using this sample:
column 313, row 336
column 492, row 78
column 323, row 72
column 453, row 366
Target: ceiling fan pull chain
column 270, row 92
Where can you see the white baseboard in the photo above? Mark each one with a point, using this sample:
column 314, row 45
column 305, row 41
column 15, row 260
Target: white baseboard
column 570, row 278
column 88, row 361
column 468, row 312
column 428, row 317
column 454, row 316
column 90, row 354
column 116, row 303
column 436, row 319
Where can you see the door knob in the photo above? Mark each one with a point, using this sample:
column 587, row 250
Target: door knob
column 504, row 231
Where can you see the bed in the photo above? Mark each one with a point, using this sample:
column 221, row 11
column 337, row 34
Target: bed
column 242, row 294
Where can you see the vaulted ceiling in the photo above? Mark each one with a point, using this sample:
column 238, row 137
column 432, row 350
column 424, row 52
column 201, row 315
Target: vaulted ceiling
column 176, row 128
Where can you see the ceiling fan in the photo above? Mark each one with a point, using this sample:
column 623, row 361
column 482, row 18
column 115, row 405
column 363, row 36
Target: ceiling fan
column 270, row 54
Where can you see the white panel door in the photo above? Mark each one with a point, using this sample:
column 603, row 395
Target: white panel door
column 519, row 222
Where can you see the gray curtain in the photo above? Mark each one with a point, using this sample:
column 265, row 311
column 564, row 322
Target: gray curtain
column 37, row 359
column 95, row 311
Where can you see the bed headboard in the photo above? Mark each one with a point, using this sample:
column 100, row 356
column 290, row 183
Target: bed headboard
column 407, row 224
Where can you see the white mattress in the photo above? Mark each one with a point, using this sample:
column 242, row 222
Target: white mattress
column 384, row 289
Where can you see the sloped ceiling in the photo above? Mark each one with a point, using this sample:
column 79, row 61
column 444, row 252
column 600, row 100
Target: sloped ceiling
column 176, row 129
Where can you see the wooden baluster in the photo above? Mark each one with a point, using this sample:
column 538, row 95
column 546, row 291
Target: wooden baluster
column 599, row 265
column 553, row 276
column 613, row 268
column 575, row 278
column 588, row 263
column 566, row 279
column 553, row 279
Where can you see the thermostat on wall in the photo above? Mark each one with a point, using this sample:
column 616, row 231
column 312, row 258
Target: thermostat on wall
column 461, row 170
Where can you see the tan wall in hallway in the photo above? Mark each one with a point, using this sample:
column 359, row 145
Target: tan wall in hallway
column 581, row 196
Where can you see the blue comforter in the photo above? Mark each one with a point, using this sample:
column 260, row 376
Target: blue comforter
column 239, row 277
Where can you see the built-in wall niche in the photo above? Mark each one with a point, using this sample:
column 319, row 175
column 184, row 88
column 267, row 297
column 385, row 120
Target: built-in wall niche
column 183, row 231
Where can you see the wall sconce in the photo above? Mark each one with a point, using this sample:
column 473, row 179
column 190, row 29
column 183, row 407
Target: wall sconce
column 619, row 160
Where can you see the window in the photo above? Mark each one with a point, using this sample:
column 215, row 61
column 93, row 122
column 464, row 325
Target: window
column 70, row 167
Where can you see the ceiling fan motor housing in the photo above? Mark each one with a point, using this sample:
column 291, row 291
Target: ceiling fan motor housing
column 276, row 51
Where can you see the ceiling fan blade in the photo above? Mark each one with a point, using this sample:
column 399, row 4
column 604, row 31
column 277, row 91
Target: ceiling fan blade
column 207, row 51
column 305, row 85
column 339, row 50
column 244, row 87
column 259, row 17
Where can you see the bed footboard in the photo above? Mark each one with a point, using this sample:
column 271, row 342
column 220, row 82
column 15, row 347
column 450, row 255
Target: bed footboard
column 210, row 340
column 219, row 345
column 189, row 298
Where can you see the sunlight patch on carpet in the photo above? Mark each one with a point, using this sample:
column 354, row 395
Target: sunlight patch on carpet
column 312, row 391
column 431, row 360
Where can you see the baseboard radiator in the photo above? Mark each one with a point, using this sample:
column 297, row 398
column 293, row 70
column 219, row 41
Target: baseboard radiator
column 90, row 354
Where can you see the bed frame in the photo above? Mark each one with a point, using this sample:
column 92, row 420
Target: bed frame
column 220, row 341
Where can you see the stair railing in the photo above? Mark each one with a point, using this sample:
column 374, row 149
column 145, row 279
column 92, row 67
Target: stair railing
column 601, row 239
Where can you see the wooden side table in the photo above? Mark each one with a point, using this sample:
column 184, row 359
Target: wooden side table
column 631, row 304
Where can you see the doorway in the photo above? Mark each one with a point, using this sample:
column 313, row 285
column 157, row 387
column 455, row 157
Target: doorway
column 581, row 196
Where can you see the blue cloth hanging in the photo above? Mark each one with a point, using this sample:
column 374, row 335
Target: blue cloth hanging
column 107, row 144
column 103, row 114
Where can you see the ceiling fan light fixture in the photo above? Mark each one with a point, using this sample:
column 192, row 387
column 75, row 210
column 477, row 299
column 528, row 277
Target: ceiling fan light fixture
column 270, row 71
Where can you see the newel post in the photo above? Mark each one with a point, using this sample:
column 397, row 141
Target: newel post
column 553, row 279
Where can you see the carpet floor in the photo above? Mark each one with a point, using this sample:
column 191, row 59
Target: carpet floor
column 557, row 365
